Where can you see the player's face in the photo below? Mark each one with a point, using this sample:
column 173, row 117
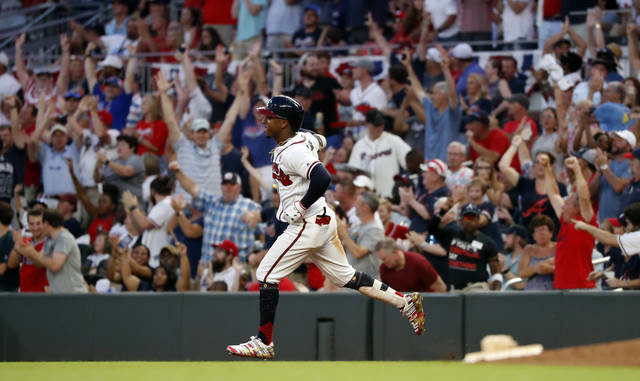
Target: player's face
column 160, row 277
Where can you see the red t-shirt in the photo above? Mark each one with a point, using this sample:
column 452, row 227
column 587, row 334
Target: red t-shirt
column 156, row 132
column 285, row 285
column 32, row 277
column 573, row 256
column 99, row 224
column 496, row 141
column 513, row 125
column 314, row 276
column 551, row 8
column 417, row 274
column 31, row 168
column 396, row 231
column 213, row 12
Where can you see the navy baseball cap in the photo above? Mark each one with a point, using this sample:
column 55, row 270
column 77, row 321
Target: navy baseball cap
column 470, row 208
column 231, row 178
column 518, row 230
column 314, row 8
column 476, row 116
column 375, row 117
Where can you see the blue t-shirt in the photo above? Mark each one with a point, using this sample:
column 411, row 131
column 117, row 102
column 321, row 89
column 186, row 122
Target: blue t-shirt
column 250, row 26
column 252, row 136
column 440, row 130
column 630, row 194
column 610, row 204
column 194, row 245
column 461, row 87
column 419, row 224
column 119, row 107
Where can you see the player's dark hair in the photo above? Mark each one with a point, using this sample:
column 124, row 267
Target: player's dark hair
column 632, row 213
column 53, row 217
column 6, row 213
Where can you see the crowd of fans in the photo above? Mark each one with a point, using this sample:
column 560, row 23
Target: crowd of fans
column 445, row 177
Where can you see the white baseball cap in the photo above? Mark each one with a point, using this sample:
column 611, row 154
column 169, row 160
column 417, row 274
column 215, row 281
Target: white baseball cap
column 199, row 124
column 362, row 181
column 628, row 136
column 58, row 127
column 4, row 60
column 435, row 165
column 112, row 61
column 433, row 54
column 462, row 51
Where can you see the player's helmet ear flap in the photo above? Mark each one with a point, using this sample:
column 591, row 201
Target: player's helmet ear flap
column 284, row 107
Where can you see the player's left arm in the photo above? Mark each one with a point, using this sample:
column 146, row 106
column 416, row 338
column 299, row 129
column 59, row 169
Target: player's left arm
column 319, row 180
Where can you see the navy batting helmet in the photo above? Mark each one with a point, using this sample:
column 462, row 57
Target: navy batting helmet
column 284, row 107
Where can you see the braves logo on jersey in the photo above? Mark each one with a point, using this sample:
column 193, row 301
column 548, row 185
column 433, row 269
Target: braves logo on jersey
column 278, row 174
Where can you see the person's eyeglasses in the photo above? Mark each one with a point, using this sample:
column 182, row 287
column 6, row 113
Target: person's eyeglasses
column 487, row 168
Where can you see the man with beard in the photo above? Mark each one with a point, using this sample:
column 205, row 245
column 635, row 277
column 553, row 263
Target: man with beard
column 221, row 264
column 469, row 250
column 515, row 240
column 323, row 100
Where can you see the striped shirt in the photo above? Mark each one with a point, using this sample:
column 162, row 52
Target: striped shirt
column 200, row 165
column 135, row 113
column 223, row 221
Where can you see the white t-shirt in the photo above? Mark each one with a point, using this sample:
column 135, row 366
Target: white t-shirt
column 440, row 11
column 227, row 276
column 382, row 158
column 581, row 91
column 8, row 85
column 517, row 25
column 198, row 107
column 630, row 243
column 373, row 95
column 117, row 44
column 461, row 177
column 157, row 238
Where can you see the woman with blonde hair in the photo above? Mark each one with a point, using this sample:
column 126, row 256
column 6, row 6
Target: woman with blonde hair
column 151, row 130
column 477, row 94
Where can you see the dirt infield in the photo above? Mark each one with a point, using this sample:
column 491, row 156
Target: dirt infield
column 618, row 353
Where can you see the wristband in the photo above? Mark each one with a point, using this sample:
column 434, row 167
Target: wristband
column 496, row 277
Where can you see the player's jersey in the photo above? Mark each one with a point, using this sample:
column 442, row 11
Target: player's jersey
column 292, row 165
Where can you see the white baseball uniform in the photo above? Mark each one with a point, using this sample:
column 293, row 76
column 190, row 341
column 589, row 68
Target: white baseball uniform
column 382, row 158
column 316, row 234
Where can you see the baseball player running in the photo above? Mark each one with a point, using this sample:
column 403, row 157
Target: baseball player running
column 302, row 181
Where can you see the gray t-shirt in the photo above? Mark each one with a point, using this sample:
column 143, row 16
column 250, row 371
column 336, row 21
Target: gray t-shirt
column 134, row 183
column 69, row 278
column 366, row 235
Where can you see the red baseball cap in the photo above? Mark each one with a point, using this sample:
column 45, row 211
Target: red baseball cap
column 228, row 246
column 106, row 117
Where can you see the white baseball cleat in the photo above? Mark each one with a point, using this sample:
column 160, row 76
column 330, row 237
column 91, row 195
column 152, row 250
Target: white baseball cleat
column 413, row 311
column 253, row 348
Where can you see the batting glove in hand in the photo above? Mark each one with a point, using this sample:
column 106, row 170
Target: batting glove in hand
column 294, row 213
